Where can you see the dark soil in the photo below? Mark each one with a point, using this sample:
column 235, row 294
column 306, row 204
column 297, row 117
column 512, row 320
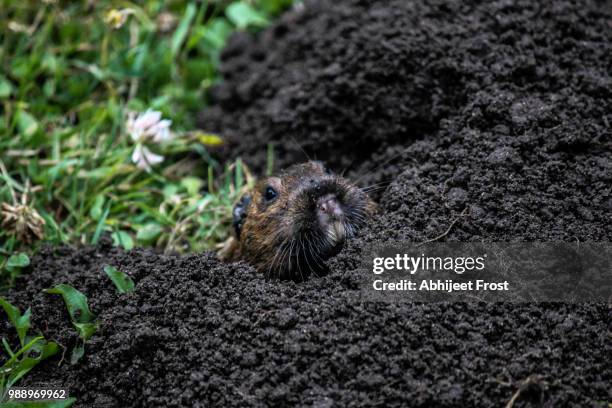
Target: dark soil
column 199, row 333
column 494, row 118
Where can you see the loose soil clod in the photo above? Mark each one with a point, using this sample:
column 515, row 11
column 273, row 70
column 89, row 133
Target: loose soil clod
column 503, row 108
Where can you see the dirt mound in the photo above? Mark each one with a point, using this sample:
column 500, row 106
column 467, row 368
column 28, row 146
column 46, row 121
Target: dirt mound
column 496, row 185
column 491, row 118
column 197, row 330
column 354, row 83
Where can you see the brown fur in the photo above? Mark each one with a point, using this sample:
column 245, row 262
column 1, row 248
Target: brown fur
column 283, row 238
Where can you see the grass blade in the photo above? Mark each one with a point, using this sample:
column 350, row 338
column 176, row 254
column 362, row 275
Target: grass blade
column 123, row 282
column 76, row 303
column 181, row 32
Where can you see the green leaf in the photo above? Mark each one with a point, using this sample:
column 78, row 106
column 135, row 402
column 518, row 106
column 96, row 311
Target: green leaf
column 49, row 88
column 123, row 283
column 17, row 368
column 96, row 209
column 192, row 185
column 76, row 303
column 23, row 324
column 239, row 180
column 123, row 239
column 11, row 311
column 19, row 260
column 100, row 225
column 26, row 123
column 181, row 32
column 86, row 330
column 243, row 16
column 97, row 173
column 169, row 191
column 19, row 321
column 7, row 347
column 214, row 34
column 274, row 7
column 77, row 353
column 149, row 232
column 6, row 88
column 23, row 351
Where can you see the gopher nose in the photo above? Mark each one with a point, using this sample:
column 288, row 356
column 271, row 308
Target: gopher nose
column 328, row 205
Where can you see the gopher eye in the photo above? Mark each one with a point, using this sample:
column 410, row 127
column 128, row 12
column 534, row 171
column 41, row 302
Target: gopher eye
column 326, row 170
column 270, row 194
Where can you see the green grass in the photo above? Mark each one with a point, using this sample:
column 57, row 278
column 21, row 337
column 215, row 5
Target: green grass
column 82, row 318
column 69, row 74
column 121, row 280
column 29, row 352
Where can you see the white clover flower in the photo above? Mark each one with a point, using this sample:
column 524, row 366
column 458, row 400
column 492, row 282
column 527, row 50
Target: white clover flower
column 144, row 158
column 147, row 127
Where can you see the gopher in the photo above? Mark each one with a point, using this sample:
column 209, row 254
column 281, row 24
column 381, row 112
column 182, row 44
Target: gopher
column 292, row 222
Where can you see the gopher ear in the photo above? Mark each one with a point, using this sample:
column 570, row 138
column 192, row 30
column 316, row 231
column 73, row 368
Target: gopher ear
column 239, row 213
